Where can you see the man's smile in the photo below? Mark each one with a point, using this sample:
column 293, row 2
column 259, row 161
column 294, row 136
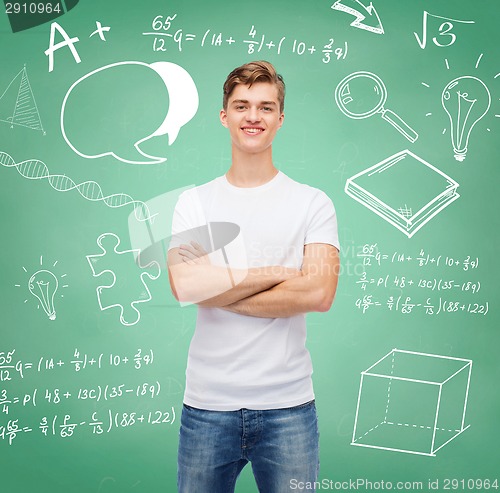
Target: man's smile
column 252, row 130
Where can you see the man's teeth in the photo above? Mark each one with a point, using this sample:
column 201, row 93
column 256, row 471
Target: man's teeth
column 253, row 130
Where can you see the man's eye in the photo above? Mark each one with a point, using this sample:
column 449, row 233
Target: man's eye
column 267, row 108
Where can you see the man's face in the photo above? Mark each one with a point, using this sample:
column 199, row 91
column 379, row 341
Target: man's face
column 253, row 117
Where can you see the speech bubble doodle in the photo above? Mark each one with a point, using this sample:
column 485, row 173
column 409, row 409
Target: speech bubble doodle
column 114, row 109
column 183, row 97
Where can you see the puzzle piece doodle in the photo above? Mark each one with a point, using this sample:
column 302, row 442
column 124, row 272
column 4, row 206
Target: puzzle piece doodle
column 112, row 260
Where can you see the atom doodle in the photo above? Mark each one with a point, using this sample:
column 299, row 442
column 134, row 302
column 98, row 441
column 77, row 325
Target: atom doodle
column 34, row 169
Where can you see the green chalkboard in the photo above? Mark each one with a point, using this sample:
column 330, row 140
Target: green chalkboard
column 109, row 109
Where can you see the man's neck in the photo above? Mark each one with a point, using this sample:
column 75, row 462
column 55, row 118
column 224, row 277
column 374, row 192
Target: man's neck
column 251, row 170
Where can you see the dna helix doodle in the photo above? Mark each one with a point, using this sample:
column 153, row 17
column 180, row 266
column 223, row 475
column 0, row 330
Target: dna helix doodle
column 34, row 169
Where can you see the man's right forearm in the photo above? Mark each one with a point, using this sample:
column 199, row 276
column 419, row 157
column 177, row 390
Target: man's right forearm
column 256, row 281
column 213, row 286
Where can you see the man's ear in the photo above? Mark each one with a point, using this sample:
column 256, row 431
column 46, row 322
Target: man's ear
column 223, row 117
column 281, row 119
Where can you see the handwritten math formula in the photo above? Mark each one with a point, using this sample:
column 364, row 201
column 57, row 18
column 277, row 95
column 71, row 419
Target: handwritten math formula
column 166, row 35
column 64, row 426
column 409, row 283
column 371, row 256
column 133, row 402
column 11, row 366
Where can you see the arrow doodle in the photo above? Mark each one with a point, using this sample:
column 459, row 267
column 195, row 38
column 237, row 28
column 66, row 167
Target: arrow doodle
column 356, row 8
column 34, row 169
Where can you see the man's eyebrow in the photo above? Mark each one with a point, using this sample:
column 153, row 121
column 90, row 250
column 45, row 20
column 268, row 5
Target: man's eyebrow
column 245, row 101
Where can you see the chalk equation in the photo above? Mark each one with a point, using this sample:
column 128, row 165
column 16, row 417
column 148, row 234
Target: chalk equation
column 445, row 36
column 407, row 305
column 371, row 255
column 432, row 284
column 165, row 35
column 453, row 282
column 123, row 397
column 35, row 397
column 64, row 426
column 12, row 366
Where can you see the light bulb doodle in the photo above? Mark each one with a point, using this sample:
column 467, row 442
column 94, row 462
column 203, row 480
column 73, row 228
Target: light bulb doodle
column 43, row 285
column 363, row 94
column 466, row 100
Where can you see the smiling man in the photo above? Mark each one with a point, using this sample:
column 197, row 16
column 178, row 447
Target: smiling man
column 249, row 394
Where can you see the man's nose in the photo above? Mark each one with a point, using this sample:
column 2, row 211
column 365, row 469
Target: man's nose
column 253, row 114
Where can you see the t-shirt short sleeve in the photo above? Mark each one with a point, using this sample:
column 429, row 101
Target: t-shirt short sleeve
column 188, row 220
column 322, row 221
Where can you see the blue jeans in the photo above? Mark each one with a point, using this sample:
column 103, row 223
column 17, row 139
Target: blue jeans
column 281, row 444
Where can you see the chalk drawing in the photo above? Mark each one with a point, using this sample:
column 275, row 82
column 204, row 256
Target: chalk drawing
column 18, row 105
column 34, row 169
column 183, row 105
column 404, row 190
column 44, row 285
column 412, row 402
column 107, row 293
column 363, row 94
column 466, row 100
column 362, row 13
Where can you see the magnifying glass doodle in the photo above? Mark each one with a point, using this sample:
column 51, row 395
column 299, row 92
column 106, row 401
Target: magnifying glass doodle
column 363, row 94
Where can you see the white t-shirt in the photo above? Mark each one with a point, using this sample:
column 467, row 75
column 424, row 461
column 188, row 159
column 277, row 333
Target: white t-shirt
column 238, row 361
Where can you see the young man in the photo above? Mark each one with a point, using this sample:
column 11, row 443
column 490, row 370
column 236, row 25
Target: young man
column 249, row 394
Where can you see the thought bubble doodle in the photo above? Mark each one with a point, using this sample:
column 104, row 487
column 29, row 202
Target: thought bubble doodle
column 114, row 109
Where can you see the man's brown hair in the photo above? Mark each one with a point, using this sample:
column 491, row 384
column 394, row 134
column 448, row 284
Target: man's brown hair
column 248, row 74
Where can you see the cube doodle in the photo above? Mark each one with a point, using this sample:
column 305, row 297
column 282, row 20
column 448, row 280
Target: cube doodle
column 412, row 402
